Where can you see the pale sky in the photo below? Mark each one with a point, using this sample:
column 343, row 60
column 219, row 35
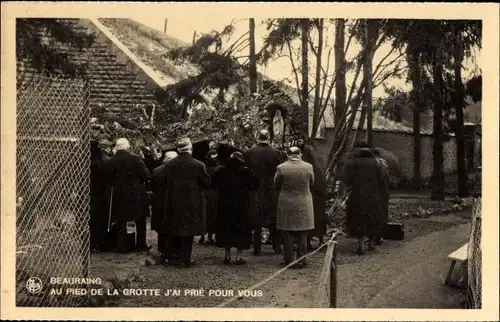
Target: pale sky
column 183, row 29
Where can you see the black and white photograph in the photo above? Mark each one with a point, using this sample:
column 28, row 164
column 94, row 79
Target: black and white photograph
column 248, row 162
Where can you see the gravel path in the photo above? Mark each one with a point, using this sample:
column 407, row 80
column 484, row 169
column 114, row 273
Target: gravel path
column 380, row 279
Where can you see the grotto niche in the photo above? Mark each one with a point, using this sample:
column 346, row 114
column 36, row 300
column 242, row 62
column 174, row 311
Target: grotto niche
column 275, row 121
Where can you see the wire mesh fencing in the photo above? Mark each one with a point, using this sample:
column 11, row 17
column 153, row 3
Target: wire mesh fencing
column 52, row 190
column 474, row 258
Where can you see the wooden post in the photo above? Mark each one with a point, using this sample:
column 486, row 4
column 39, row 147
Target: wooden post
column 333, row 277
column 165, row 26
column 194, row 37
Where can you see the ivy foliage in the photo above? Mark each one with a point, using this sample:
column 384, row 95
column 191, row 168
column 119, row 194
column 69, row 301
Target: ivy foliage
column 46, row 43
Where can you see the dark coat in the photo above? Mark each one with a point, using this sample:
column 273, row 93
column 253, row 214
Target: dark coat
column 157, row 199
column 127, row 175
column 319, row 191
column 184, row 179
column 211, row 197
column 98, row 197
column 151, row 164
column 384, row 189
column 263, row 161
column 234, row 183
column 364, row 206
column 294, row 181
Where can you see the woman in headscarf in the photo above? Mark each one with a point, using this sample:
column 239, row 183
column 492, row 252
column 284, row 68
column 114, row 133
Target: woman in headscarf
column 364, row 206
column 212, row 163
column 234, row 183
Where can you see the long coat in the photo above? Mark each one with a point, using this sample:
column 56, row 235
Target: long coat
column 319, row 191
column 157, row 205
column 211, row 197
column 234, row 183
column 183, row 203
column 364, row 206
column 294, row 181
column 127, row 174
column 98, row 196
column 263, row 161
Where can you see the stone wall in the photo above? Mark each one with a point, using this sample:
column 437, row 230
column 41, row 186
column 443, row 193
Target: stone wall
column 401, row 144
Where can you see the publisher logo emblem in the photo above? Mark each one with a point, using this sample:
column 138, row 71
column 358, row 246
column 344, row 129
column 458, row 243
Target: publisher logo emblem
column 34, row 285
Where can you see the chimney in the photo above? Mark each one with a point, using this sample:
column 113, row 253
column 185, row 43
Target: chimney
column 165, row 26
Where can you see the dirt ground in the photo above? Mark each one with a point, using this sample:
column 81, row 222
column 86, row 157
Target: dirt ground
column 374, row 280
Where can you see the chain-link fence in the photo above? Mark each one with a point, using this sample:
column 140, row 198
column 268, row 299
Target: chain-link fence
column 53, row 182
column 474, row 258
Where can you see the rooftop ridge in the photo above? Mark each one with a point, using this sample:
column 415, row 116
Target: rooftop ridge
column 150, row 72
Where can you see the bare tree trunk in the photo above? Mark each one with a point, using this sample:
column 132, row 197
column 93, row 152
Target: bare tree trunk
column 458, row 98
column 252, row 58
column 340, row 69
column 438, row 192
column 340, row 136
column 413, row 62
column 305, row 76
column 317, row 93
column 370, row 39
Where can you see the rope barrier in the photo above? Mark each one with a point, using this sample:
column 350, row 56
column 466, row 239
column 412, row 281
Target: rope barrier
column 331, row 241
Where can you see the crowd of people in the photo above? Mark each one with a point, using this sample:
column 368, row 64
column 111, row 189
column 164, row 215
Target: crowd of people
column 228, row 202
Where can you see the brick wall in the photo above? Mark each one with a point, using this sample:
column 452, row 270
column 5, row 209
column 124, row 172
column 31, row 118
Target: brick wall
column 401, row 144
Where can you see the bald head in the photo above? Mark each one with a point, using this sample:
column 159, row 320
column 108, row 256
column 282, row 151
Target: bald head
column 122, row 144
column 264, row 136
column 293, row 151
column 169, row 156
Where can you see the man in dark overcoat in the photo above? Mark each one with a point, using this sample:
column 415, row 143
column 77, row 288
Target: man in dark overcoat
column 158, row 204
column 185, row 180
column 127, row 174
column 263, row 160
column 319, row 191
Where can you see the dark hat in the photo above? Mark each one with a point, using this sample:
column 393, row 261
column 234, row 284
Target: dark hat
column 211, row 154
column 238, row 156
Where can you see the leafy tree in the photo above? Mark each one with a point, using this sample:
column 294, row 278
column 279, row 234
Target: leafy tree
column 48, row 45
column 438, row 46
column 219, row 68
column 474, row 88
column 466, row 35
